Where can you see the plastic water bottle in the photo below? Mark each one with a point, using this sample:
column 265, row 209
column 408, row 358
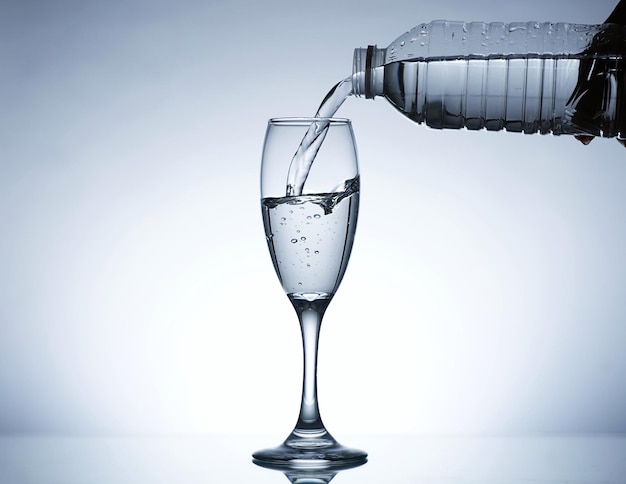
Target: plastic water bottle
column 526, row 77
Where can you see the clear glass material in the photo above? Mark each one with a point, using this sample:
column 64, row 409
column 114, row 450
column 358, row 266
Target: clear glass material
column 310, row 238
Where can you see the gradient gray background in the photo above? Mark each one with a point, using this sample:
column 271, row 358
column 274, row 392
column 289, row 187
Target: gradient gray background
column 484, row 294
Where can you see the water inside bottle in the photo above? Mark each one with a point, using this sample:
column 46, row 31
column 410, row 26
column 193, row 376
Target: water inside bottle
column 579, row 95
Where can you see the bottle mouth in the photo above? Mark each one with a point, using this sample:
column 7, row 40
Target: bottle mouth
column 367, row 76
column 359, row 72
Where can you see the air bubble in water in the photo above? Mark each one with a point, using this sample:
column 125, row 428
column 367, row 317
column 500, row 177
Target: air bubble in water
column 293, row 241
column 317, row 215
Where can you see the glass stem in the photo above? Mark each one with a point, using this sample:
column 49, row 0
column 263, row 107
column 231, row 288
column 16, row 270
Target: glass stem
column 310, row 314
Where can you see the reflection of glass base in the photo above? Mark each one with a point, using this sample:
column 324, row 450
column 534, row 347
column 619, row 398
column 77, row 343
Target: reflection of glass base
column 310, row 454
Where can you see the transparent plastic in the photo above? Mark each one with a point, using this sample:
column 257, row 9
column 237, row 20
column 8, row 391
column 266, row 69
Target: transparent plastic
column 526, row 77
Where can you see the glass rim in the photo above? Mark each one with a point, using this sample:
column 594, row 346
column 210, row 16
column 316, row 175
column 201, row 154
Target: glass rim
column 304, row 120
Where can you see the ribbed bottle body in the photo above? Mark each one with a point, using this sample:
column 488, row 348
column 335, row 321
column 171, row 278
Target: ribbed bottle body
column 531, row 94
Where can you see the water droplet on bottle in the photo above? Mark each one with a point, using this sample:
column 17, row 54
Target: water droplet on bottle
column 317, row 215
column 515, row 28
column 402, row 44
column 308, row 217
column 283, row 218
column 302, row 239
column 293, row 241
column 317, row 251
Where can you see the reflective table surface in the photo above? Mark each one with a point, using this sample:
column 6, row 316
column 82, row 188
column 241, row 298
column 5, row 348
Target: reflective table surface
column 392, row 459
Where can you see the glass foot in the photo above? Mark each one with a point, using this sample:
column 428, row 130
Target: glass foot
column 310, row 453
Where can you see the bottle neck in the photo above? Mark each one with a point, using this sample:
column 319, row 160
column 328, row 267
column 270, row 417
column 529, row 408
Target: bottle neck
column 368, row 71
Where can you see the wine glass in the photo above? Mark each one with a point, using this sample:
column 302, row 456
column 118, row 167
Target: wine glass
column 310, row 204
